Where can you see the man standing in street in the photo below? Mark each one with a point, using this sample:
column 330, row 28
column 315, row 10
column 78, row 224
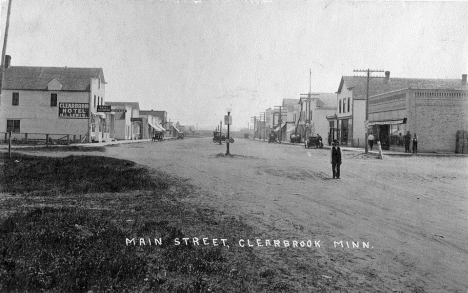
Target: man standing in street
column 407, row 142
column 371, row 139
column 335, row 159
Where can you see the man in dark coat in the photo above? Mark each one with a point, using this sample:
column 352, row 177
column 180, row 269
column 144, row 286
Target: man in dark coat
column 407, row 142
column 335, row 159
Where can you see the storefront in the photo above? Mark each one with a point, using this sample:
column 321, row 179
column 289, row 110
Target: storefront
column 390, row 133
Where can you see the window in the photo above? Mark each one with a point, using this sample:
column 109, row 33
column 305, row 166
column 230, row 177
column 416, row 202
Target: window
column 13, row 125
column 340, row 107
column 349, row 103
column 344, row 105
column 53, row 100
column 15, row 99
column 94, row 100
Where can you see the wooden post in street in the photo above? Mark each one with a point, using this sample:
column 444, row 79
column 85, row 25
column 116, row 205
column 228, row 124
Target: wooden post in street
column 9, row 144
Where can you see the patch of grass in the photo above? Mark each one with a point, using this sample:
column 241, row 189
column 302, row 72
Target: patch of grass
column 67, row 148
column 65, row 250
column 74, row 174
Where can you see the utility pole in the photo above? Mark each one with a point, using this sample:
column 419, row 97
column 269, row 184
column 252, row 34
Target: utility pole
column 5, row 39
column 280, row 120
column 220, row 130
column 368, row 72
column 254, row 121
column 263, row 114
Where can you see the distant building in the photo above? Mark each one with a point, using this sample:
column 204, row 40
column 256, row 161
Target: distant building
column 156, row 121
column 313, row 118
column 54, row 101
column 290, row 112
column 127, row 121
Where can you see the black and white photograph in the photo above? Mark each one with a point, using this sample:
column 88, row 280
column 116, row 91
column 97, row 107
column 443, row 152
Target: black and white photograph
column 233, row 146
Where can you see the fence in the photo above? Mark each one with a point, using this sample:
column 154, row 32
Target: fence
column 43, row 138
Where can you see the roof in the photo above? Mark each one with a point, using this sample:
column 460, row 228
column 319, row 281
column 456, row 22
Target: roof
column 37, row 78
column 134, row 105
column 287, row 102
column 323, row 99
column 378, row 86
column 151, row 112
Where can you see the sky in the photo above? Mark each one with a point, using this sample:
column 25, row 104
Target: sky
column 195, row 59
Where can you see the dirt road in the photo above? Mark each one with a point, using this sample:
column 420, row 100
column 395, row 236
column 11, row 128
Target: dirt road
column 413, row 211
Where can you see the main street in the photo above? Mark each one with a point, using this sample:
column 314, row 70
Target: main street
column 411, row 210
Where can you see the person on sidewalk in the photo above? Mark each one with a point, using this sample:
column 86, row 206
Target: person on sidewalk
column 336, row 159
column 379, row 148
column 415, row 144
column 371, row 139
column 407, row 141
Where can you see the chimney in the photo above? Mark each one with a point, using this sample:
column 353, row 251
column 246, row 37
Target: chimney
column 464, row 79
column 8, row 61
column 387, row 77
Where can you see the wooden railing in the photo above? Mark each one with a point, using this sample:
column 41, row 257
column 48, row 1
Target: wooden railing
column 43, row 138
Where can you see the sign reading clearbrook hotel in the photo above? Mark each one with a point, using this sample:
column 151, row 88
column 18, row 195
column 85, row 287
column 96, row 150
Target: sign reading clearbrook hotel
column 74, row 110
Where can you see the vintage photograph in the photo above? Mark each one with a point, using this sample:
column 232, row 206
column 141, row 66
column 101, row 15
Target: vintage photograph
column 233, row 146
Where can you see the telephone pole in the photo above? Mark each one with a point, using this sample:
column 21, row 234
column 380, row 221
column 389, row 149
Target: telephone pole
column 263, row 114
column 2, row 66
column 368, row 72
column 280, row 120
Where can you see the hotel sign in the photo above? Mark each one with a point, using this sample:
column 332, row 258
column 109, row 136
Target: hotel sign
column 73, row 110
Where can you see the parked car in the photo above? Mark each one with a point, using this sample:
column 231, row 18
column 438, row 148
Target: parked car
column 313, row 141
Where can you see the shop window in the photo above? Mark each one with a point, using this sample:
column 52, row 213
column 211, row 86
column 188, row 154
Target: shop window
column 396, row 135
column 13, row 126
column 53, row 100
column 15, row 99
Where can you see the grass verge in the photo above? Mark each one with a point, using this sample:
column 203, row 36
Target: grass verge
column 71, row 234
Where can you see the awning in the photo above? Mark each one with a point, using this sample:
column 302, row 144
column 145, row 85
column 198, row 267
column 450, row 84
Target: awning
column 279, row 127
column 157, row 127
column 101, row 114
column 388, row 122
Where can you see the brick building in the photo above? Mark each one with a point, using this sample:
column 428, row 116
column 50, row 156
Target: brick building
column 348, row 125
column 433, row 109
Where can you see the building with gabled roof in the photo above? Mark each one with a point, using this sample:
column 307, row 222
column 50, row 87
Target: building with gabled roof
column 348, row 124
column 54, row 102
